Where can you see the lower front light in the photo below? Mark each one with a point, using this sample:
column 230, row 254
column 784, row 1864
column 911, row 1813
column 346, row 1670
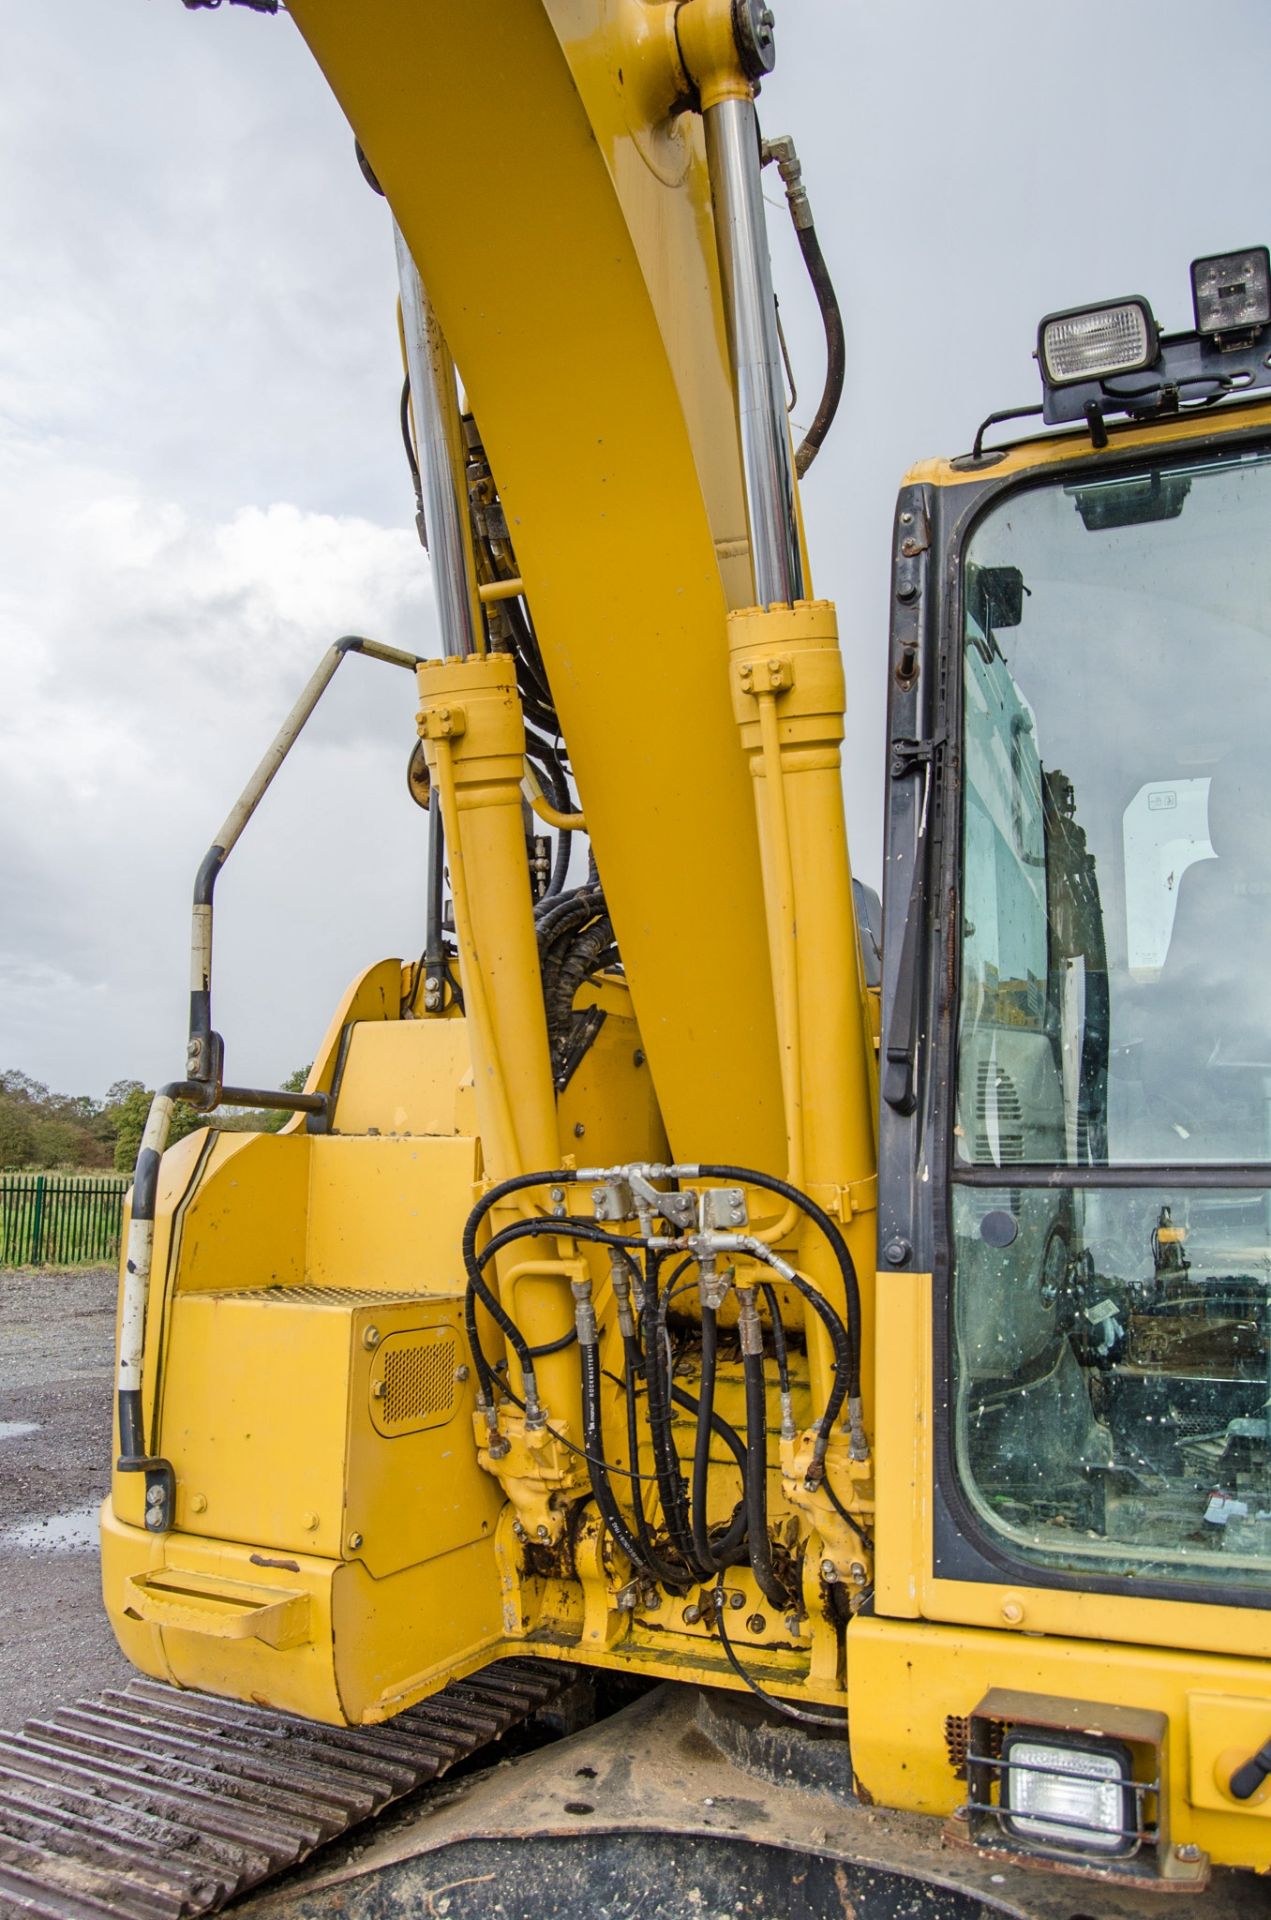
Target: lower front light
column 1078, row 1798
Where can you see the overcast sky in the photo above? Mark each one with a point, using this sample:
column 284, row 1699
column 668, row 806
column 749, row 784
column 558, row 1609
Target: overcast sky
column 201, row 480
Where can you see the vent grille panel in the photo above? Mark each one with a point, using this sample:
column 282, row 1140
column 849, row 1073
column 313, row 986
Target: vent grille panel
column 413, row 1384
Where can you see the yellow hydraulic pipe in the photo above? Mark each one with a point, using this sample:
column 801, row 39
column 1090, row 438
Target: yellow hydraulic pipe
column 542, row 806
column 566, row 822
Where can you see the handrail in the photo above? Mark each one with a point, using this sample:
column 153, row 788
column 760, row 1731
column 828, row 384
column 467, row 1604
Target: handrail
column 206, row 1051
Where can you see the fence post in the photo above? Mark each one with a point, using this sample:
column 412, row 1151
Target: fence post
column 37, row 1223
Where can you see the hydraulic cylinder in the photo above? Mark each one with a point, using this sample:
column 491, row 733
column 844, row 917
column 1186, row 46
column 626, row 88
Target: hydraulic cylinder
column 474, row 740
column 788, row 700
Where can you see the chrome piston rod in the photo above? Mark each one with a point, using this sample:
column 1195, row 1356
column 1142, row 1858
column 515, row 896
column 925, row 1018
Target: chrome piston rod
column 732, row 155
column 429, row 365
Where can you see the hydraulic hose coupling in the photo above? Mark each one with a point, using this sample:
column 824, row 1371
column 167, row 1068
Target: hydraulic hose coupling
column 584, row 1313
column 789, row 656
column 620, row 1284
column 749, row 1326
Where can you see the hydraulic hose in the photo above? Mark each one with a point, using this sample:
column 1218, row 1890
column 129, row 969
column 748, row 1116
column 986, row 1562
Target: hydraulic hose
column 517, row 1183
column 478, row 1290
column 838, row 1340
column 779, row 1347
column 594, row 1444
column 560, row 1345
column 758, row 1541
column 587, row 954
column 677, row 1579
column 746, row 1176
column 836, row 1723
column 671, row 1488
column 702, row 1440
column 835, row 349
column 475, row 1264
column 783, row 152
column 413, row 463
column 552, row 774
column 563, row 916
column 720, row 1427
column 727, row 1549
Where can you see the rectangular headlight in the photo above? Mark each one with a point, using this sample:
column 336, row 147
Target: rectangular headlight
column 1091, row 343
column 1231, row 292
column 1077, row 1798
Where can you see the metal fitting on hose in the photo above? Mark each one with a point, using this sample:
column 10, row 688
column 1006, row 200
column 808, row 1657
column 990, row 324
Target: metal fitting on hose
column 620, row 1282
column 748, row 1323
column 584, row 1313
column 498, row 1446
column 859, row 1447
column 713, row 1282
column 782, row 151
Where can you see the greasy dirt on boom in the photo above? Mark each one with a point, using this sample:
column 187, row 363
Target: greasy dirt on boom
column 157, row 1804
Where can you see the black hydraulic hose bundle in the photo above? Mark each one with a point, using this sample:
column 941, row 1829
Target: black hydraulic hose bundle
column 551, row 772
column 594, row 1444
column 674, row 1578
column 590, row 951
column 758, row 1539
column 730, row 1547
column 477, row 1288
column 694, row 1555
column 575, row 941
column 666, row 1462
column 702, row 1439
column 746, row 1176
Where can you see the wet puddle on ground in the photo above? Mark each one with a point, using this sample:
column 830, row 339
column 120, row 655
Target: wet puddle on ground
column 74, row 1532
column 16, row 1429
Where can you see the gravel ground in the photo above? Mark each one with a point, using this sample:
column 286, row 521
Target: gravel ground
column 56, row 1336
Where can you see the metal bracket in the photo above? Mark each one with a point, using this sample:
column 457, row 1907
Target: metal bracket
column 907, row 756
column 611, row 1199
column 723, row 1209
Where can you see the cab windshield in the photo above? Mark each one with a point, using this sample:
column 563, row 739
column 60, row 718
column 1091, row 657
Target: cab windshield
column 1111, row 1283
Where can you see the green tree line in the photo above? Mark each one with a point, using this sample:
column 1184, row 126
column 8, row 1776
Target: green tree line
column 50, row 1131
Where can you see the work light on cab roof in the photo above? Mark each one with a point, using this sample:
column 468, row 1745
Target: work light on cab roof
column 1110, row 357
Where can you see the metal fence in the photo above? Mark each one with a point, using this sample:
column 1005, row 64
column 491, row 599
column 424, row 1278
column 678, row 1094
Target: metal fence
column 60, row 1219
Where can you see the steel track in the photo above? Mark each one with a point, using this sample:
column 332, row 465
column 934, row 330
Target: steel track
column 158, row 1804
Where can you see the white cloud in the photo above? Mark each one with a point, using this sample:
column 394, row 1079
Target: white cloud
column 149, row 659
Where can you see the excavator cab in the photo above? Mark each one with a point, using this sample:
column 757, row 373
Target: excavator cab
column 1074, row 1131
column 1109, row 1045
